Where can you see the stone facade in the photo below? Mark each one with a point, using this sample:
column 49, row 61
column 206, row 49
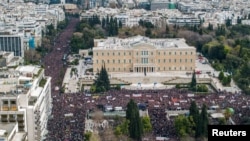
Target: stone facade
column 142, row 54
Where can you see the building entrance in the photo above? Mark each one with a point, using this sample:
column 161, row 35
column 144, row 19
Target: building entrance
column 144, row 69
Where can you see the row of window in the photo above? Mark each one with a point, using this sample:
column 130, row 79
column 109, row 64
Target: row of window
column 144, row 53
column 8, row 102
column 146, row 61
column 159, row 69
column 175, row 60
column 113, row 61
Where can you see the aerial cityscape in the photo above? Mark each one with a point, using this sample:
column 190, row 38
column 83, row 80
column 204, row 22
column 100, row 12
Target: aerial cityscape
column 123, row 70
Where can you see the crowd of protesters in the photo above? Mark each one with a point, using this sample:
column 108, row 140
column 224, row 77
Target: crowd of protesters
column 69, row 110
column 67, row 120
column 158, row 102
column 53, row 61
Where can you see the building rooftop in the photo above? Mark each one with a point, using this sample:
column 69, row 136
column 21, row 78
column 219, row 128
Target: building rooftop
column 37, row 92
column 28, row 69
column 138, row 42
column 6, row 128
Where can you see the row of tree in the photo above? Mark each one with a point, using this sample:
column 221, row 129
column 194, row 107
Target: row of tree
column 229, row 50
column 93, row 28
column 111, row 25
column 195, row 124
column 134, row 126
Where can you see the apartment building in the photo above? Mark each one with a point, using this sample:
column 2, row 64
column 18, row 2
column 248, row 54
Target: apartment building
column 27, row 20
column 25, row 103
column 130, row 18
column 183, row 21
column 142, row 55
column 159, row 4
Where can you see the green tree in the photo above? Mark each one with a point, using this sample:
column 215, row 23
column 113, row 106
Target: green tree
column 135, row 124
column 200, row 31
column 116, row 26
column 183, row 125
column 120, row 24
column 195, row 29
column 118, row 131
column 202, row 88
column 210, row 27
column 87, row 136
column 217, row 52
column 148, row 32
column 194, row 112
column 201, row 128
column 141, row 23
column 227, row 114
column 221, row 76
column 122, row 129
column 167, row 30
column 228, row 22
column 146, row 124
column 222, row 121
column 193, row 81
column 102, row 83
column 238, row 20
column 204, row 117
column 51, row 30
column 103, row 22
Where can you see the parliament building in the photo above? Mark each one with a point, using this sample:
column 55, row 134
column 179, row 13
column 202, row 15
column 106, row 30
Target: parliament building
column 143, row 55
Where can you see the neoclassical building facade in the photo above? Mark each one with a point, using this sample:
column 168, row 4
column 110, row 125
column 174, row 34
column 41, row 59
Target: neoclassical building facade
column 143, row 55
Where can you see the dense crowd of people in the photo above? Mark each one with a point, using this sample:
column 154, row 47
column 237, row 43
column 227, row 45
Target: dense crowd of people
column 158, row 102
column 67, row 120
column 53, row 61
column 69, row 110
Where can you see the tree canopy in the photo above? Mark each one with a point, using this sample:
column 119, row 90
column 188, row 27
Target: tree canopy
column 135, row 124
column 102, row 82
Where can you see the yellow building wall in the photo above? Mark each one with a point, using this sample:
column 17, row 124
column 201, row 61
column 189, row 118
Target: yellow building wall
column 124, row 60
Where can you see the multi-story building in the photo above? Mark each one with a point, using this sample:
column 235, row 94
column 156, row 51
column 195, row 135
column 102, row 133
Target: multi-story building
column 183, row 21
column 159, row 4
column 28, row 20
column 142, row 54
column 25, row 103
column 12, row 43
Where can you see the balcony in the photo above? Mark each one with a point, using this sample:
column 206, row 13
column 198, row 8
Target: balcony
column 20, row 118
column 13, row 108
column 20, row 125
column 12, row 119
column 5, row 108
column 4, row 119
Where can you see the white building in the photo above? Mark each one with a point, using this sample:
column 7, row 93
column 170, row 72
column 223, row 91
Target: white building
column 29, row 19
column 25, row 102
